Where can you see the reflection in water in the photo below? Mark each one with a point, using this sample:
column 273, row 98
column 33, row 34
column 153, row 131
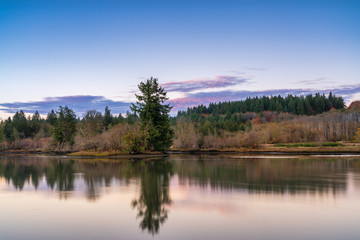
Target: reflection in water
column 154, row 195
column 91, row 177
column 61, row 174
column 19, row 170
column 217, row 172
column 266, row 175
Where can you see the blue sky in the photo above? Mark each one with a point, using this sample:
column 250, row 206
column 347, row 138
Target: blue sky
column 88, row 54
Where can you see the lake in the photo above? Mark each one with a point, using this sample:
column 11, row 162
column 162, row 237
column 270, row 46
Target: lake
column 180, row 197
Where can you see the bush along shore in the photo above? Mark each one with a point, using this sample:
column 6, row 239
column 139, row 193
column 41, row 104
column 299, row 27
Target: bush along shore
column 298, row 124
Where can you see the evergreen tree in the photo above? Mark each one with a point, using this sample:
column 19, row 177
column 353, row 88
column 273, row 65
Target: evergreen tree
column 35, row 123
column 107, row 118
column 8, row 130
column 300, row 108
column 65, row 126
column 121, row 118
column 291, row 104
column 21, row 125
column 154, row 115
column 51, row 117
column 2, row 134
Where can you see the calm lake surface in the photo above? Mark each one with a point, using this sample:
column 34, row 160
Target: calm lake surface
column 180, row 197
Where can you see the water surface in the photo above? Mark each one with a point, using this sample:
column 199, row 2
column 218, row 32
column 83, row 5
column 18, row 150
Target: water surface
column 180, row 197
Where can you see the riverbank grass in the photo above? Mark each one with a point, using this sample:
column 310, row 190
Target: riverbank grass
column 311, row 144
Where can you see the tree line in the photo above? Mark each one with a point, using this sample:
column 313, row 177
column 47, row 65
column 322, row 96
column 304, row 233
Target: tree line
column 236, row 116
column 298, row 105
column 61, row 124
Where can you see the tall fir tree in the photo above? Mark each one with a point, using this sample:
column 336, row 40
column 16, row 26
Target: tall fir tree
column 154, row 115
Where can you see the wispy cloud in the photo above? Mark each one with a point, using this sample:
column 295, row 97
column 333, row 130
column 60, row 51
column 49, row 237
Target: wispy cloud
column 202, row 84
column 315, row 81
column 80, row 104
column 347, row 90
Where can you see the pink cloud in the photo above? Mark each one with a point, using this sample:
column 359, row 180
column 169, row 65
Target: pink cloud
column 200, row 84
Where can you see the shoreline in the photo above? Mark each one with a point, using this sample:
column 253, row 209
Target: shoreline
column 268, row 149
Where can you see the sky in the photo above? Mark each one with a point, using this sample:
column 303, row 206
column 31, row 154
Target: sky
column 91, row 54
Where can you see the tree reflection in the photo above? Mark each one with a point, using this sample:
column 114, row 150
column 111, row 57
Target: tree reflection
column 19, row 174
column 280, row 176
column 19, row 170
column 60, row 174
column 217, row 172
column 154, row 200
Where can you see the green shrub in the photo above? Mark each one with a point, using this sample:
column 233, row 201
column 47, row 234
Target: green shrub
column 134, row 142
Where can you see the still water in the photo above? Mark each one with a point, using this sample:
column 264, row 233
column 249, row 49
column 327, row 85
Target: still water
column 180, row 197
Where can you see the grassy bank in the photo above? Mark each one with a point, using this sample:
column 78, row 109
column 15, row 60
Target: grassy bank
column 290, row 148
column 113, row 154
column 285, row 148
